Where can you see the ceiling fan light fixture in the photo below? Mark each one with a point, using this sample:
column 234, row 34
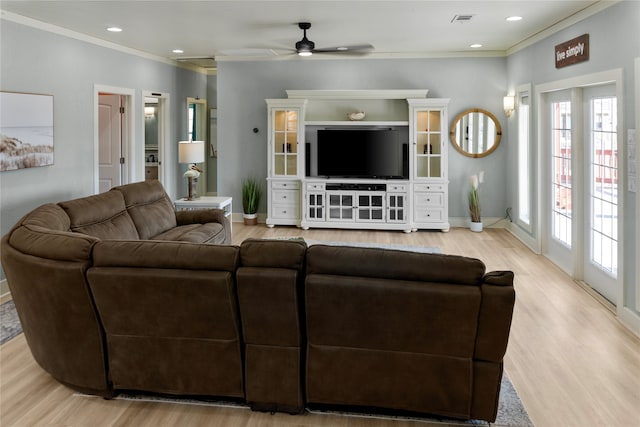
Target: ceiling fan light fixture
column 305, row 46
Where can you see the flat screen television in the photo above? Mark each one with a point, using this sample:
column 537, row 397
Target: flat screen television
column 361, row 153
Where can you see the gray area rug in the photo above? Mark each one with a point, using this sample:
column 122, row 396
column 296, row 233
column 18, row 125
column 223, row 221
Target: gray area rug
column 511, row 412
column 422, row 249
column 9, row 323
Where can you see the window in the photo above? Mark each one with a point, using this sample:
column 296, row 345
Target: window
column 524, row 170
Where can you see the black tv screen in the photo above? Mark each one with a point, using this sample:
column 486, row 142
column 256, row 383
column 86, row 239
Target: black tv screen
column 361, row 153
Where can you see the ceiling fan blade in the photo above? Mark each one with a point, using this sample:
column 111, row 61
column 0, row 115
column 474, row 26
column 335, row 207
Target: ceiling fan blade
column 359, row 48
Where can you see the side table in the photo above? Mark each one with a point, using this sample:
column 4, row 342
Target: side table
column 207, row 202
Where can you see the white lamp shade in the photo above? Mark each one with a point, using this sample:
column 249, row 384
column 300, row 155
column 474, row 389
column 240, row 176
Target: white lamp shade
column 191, row 152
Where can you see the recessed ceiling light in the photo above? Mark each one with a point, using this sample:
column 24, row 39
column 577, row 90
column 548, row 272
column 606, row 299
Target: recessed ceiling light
column 514, row 18
column 476, row 45
column 342, row 48
column 114, row 29
column 177, row 51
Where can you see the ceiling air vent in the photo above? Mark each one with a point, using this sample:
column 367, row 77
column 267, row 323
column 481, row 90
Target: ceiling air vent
column 462, row 18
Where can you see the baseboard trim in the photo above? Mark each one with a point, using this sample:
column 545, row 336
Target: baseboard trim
column 525, row 238
column 630, row 319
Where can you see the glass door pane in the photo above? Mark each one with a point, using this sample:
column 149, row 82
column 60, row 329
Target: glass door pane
column 561, row 171
column 604, row 184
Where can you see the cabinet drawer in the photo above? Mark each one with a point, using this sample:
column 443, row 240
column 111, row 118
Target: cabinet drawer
column 315, row 186
column 396, row 188
column 429, row 199
column 428, row 215
column 288, row 185
column 429, row 187
column 285, row 212
column 285, row 197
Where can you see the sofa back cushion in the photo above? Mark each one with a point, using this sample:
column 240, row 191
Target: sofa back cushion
column 389, row 303
column 149, row 206
column 103, row 216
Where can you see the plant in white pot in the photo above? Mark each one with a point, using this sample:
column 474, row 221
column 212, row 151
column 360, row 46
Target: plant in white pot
column 250, row 198
column 474, row 202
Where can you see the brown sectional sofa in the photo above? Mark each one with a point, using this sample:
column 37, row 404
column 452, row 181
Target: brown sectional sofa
column 271, row 323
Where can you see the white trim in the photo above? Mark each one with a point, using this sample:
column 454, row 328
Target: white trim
column 591, row 10
column 630, row 319
column 373, row 55
column 637, row 84
column 529, row 241
column 357, row 94
column 44, row 26
column 129, row 127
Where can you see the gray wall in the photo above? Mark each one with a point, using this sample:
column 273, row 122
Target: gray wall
column 36, row 61
column 614, row 39
column 469, row 82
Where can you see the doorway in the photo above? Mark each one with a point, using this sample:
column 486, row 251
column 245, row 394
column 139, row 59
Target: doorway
column 582, row 211
column 114, row 121
column 110, row 153
column 156, row 131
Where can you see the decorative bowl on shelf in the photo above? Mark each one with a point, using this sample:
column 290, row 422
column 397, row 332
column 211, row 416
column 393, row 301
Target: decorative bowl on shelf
column 358, row 115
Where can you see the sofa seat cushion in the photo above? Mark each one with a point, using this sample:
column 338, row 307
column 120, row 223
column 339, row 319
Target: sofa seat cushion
column 194, row 233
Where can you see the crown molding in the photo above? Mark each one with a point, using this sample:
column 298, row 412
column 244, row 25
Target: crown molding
column 585, row 13
column 34, row 23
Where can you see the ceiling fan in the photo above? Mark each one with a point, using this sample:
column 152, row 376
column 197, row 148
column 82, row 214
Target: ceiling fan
column 306, row 47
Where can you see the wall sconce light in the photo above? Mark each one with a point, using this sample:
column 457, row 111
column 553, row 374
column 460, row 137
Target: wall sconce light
column 149, row 112
column 191, row 152
column 509, row 104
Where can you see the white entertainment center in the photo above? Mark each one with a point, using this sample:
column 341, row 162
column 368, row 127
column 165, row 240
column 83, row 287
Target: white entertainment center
column 297, row 195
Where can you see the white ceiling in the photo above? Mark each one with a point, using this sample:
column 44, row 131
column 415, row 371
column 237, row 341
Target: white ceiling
column 242, row 28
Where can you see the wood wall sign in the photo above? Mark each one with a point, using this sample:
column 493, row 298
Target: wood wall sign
column 573, row 51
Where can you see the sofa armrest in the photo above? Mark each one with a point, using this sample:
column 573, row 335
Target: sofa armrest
column 164, row 254
column 496, row 311
column 52, row 244
column 204, row 216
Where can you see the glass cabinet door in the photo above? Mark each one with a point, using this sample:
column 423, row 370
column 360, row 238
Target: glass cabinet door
column 285, row 140
column 428, row 144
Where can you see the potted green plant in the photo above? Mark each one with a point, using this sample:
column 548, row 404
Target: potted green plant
column 250, row 198
column 474, row 202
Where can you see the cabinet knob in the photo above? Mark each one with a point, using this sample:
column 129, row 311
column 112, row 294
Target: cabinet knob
column 428, row 200
column 284, row 197
column 284, row 212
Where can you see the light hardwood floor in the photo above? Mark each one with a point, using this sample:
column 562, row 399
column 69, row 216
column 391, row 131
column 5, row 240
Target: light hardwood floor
column 571, row 362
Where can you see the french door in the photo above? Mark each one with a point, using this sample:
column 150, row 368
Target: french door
column 582, row 214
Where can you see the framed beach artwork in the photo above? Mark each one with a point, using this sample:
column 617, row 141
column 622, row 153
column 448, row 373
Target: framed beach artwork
column 26, row 130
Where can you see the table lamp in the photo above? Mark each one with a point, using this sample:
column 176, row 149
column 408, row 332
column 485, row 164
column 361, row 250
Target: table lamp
column 191, row 152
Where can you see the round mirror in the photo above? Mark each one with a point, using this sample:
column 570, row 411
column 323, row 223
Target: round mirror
column 475, row 132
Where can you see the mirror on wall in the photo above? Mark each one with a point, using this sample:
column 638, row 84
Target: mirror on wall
column 475, row 132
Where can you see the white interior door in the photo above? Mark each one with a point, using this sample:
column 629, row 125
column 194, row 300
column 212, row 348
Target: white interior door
column 110, row 141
